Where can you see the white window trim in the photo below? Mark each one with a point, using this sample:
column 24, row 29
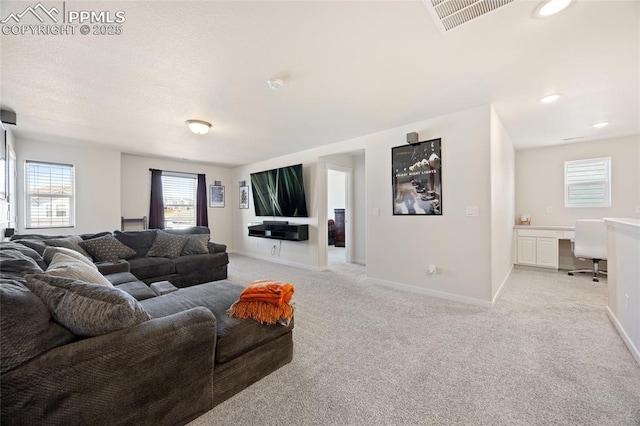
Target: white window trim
column 28, row 196
column 183, row 175
column 606, row 201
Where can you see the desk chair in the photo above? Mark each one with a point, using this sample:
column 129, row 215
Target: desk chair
column 591, row 243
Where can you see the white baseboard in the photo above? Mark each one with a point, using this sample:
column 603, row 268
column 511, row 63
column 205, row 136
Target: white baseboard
column 506, row 277
column 625, row 337
column 434, row 293
column 278, row 260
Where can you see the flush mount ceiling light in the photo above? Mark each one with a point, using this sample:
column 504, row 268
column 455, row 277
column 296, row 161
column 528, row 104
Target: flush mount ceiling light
column 600, row 124
column 198, row 127
column 550, row 98
column 275, row 83
column 551, row 7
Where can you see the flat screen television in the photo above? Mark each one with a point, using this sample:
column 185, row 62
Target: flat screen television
column 279, row 192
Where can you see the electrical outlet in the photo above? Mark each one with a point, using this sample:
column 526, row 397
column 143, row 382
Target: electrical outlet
column 376, row 211
column 432, row 270
column 473, row 211
column 549, row 209
column 638, row 209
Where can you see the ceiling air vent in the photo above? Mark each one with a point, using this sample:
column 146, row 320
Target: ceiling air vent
column 449, row 14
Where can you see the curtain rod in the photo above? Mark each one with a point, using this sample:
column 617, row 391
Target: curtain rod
column 173, row 171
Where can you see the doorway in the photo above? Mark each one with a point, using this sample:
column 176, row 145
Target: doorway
column 338, row 209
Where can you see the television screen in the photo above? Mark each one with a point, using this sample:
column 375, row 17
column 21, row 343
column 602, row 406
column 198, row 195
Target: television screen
column 279, row 192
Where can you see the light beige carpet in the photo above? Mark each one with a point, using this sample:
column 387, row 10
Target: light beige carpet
column 546, row 354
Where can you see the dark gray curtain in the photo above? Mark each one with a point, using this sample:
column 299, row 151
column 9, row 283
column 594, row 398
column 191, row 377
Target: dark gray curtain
column 156, row 209
column 202, row 216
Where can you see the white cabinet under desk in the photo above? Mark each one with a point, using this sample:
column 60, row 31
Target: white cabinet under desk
column 538, row 245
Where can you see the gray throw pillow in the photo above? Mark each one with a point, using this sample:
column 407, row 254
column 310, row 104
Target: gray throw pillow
column 38, row 245
column 26, row 329
column 66, row 266
column 196, row 244
column 87, row 309
column 167, row 245
column 49, row 252
column 107, row 249
column 71, row 242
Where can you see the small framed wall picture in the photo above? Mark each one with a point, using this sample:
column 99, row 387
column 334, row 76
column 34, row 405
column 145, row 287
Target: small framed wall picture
column 244, row 197
column 216, row 196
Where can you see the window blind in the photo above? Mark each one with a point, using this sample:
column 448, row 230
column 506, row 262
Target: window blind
column 588, row 182
column 179, row 194
column 49, row 195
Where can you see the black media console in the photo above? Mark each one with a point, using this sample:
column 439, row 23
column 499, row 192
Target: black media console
column 280, row 231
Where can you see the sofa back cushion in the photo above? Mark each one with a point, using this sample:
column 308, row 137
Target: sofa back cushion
column 190, row 231
column 87, row 309
column 26, row 329
column 15, row 263
column 11, row 245
column 140, row 241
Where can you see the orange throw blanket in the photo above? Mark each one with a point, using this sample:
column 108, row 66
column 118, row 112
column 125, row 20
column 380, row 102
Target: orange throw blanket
column 264, row 301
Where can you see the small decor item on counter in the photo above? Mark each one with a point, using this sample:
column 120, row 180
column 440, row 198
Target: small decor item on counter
column 525, row 219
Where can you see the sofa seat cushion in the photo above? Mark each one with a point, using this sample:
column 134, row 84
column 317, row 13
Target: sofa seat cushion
column 235, row 336
column 26, row 327
column 137, row 289
column 194, row 262
column 147, row 267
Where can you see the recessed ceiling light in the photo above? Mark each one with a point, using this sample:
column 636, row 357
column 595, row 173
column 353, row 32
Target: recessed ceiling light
column 600, row 124
column 550, row 98
column 551, row 7
column 198, row 127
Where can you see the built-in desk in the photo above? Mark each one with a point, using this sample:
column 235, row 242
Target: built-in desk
column 539, row 245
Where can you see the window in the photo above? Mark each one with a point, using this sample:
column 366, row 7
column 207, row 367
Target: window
column 179, row 194
column 587, row 183
column 49, row 188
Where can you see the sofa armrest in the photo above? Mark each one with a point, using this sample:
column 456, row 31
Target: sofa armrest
column 108, row 268
column 158, row 372
column 216, row 247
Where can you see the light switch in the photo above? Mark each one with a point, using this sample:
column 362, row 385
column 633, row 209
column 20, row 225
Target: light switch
column 376, row 211
column 473, row 211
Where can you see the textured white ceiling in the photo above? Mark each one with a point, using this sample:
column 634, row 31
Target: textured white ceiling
column 351, row 68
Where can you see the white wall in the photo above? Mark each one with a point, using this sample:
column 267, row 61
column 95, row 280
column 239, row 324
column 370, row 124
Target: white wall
column 359, row 220
column 97, row 184
column 540, row 180
column 399, row 248
column 502, row 203
column 136, row 191
column 297, row 253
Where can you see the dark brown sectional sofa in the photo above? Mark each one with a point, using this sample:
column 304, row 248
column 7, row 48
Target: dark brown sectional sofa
column 187, row 357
